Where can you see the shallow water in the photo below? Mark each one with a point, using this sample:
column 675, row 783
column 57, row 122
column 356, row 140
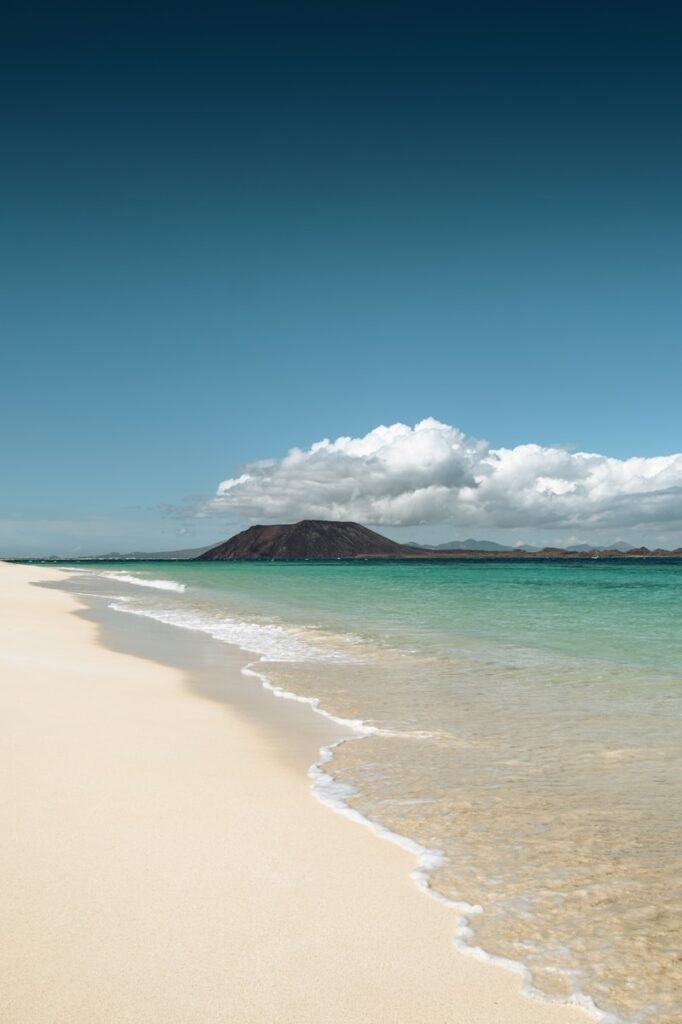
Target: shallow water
column 529, row 719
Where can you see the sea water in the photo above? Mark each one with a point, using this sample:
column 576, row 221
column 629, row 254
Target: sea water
column 521, row 719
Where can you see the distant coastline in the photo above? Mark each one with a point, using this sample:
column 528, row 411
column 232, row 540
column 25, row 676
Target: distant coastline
column 414, row 555
column 323, row 540
column 326, row 540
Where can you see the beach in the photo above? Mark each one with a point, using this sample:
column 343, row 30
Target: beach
column 164, row 860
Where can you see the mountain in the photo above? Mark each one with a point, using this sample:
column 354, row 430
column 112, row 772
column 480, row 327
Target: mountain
column 461, row 545
column 184, row 554
column 472, row 545
column 309, row 539
column 620, row 545
column 320, row 540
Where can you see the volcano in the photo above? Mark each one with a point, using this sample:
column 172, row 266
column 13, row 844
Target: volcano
column 310, row 539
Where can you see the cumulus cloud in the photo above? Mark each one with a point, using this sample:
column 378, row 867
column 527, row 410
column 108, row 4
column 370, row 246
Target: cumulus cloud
column 433, row 473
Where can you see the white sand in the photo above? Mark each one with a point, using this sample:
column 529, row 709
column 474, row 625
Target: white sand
column 159, row 862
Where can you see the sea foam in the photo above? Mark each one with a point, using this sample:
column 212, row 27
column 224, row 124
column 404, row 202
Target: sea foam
column 276, row 643
column 272, row 642
column 143, row 581
column 335, row 795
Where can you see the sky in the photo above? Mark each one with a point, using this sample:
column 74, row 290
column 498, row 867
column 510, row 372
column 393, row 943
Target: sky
column 232, row 231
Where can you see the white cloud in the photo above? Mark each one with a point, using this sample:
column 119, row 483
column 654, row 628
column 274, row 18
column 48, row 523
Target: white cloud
column 432, row 473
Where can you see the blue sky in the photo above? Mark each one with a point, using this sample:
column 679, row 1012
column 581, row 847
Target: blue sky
column 227, row 235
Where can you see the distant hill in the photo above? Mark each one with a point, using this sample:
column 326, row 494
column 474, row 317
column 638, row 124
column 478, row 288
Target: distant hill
column 462, row 545
column 161, row 556
column 320, row 539
column 620, row 545
column 184, row 554
column 472, row 545
column 309, row 539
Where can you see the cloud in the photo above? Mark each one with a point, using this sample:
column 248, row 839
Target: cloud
column 433, row 473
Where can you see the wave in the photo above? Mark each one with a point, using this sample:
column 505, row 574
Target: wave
column 126, row 577
column 277, row 643
column 271, row 642
column 335, row 795
column 142, row 581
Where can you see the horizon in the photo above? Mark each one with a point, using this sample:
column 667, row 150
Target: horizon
column 180, row 553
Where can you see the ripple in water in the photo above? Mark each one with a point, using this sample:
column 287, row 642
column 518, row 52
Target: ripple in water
column 570, row 842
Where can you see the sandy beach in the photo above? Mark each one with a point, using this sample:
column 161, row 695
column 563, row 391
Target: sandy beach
column 162, row 861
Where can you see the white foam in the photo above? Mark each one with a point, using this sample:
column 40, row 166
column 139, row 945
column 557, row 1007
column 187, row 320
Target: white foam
column 355, row 724
column 125, row 577
column 143, row 581
column 275, row 643
column 335, row 794
column 271, row 642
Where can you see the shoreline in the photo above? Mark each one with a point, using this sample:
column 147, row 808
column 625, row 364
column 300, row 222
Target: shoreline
column 297, row 917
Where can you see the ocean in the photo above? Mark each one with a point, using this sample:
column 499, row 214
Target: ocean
column 518, row 723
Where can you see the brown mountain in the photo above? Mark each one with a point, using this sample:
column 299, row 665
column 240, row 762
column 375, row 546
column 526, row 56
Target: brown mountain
column 311, row 538
column 320, row 540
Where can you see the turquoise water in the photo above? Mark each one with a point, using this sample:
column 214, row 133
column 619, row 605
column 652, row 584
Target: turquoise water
column 528, row 720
